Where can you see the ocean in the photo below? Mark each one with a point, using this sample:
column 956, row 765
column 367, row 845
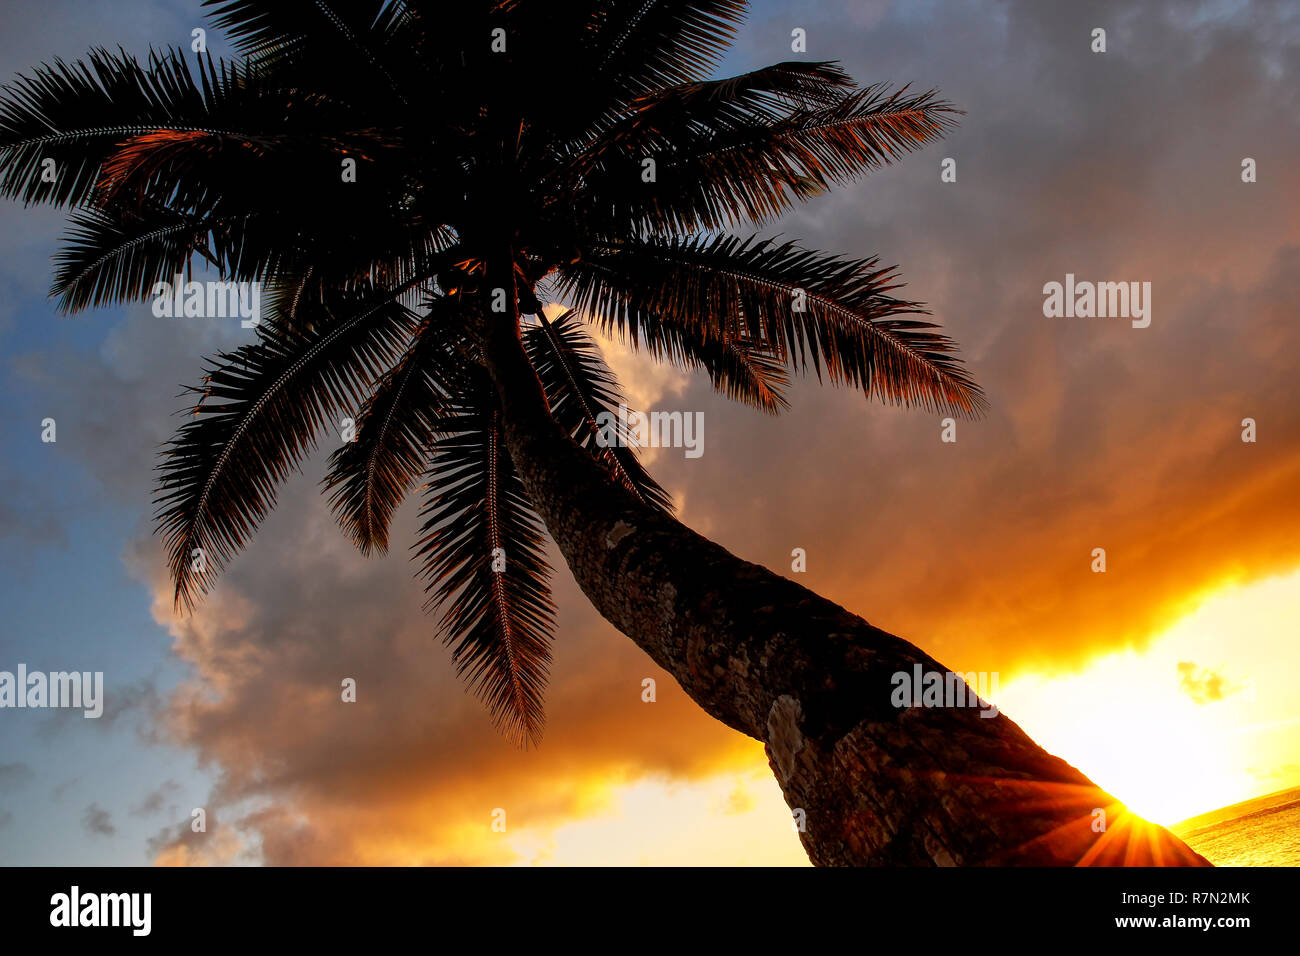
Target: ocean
column 1260, row 832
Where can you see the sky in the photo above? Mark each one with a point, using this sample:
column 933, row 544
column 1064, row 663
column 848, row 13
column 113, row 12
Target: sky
column 1169, row 677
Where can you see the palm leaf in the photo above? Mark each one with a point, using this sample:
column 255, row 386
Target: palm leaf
column 219, row 473
column 499, row 622
column 371, row 476
column 106, row 260
column 361, row 32
column 751, row 160
column 728, row 288
column 740, row 370
column 580, row 387
column 76, row 114
column 649, row 44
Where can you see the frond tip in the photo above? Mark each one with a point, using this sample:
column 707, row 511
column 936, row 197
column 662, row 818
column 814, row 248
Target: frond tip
column 484, row 562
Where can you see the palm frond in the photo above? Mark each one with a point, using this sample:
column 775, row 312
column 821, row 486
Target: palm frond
column 739, row 368
column 76, row 114
column 753, row 161
column 396, row 431
column 673, row 118
column 867, row 129
column 743, row 372
column 726, row 288
column 484, row 562
column 649, row 44
column 272, row 399
column 360, row 32
column 580, row 387
column 107, row 261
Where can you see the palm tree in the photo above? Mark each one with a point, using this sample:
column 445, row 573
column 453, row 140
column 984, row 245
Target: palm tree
column 408, row 179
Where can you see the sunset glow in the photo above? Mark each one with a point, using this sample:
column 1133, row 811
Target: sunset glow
column 1123, row 719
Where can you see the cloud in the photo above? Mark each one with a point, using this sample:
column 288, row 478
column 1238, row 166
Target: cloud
column 155, row 800
column 135, row 699
column 1286, row 772
column 214, row 845
column 98, row 821
column 1203, row 686
column 27, row 515
column 59, row 791
column 739, row 801
column 412, row 771
column 14, row 775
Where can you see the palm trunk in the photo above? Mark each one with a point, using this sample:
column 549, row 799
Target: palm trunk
column 877, row 784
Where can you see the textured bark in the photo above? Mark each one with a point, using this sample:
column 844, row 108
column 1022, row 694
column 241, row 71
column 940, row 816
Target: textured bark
column 878, row 785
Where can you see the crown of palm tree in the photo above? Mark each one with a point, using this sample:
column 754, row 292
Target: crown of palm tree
column 470, row 124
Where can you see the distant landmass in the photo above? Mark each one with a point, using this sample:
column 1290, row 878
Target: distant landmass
column 1260, row 832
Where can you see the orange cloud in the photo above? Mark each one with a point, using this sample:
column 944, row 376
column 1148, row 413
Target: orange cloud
column 412, row 772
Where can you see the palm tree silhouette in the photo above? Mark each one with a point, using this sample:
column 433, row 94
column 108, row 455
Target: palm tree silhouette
column 408, row 179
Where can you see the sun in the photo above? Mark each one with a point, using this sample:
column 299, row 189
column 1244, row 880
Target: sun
column 1128, row 721
column 1124, row 722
